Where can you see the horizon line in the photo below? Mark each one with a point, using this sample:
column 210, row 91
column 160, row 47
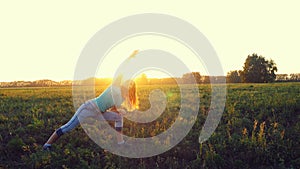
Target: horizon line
column 7, row 81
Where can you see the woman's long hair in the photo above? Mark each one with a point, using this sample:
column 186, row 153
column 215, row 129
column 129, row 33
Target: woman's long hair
column 130, row 94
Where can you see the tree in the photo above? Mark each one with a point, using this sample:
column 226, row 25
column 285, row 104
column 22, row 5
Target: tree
column 258, row 70
column 205, row 79
column 234, row 76
column 295, row 77
column 192, row 77
column 282, row 77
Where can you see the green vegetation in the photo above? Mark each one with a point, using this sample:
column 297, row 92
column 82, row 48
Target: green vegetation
column 259, row 129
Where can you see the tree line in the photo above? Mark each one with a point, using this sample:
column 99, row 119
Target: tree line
column 257, row 69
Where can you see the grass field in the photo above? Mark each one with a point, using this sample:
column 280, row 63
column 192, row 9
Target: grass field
column 259, row 129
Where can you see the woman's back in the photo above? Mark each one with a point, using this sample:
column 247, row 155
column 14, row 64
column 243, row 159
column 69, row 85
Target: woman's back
column 108, row 98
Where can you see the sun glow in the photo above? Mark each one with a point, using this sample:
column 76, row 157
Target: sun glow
column 128, row 48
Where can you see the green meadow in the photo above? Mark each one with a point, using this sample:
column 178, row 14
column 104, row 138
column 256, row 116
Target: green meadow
column 259, row 129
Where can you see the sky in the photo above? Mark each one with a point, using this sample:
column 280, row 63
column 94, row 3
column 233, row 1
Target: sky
column 44, row 39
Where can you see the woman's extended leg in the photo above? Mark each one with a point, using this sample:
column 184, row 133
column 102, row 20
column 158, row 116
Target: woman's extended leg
column 83, row 111
column 52, row 138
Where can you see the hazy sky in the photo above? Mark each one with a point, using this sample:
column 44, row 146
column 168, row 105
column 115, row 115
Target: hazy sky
column 43, row 40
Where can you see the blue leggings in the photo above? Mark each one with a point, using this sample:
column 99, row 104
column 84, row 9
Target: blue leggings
column 90, row 109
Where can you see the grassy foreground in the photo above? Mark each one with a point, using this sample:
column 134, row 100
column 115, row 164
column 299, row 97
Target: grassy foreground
column 259, row 129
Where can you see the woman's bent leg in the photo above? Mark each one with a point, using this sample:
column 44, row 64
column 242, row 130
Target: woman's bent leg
column 118, row 119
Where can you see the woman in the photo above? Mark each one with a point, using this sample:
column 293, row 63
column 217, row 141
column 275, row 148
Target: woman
column 110, row 103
